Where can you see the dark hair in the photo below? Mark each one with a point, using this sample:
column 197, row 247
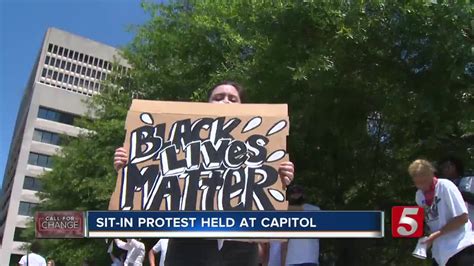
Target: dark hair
column 240, row 89
column 35, row 246
column 292, row 191
column 458, row 164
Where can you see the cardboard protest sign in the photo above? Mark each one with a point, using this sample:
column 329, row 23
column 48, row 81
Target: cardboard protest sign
column 201, row 156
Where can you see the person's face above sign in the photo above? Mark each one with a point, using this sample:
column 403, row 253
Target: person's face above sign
column 225, row 94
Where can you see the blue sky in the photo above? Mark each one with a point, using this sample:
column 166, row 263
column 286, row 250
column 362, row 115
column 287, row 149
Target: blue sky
column 23, row 24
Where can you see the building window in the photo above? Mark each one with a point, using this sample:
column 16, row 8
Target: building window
column 60, row 52
column 81, row 57
column 55, row 49
column 76, row 81
column 52, row 61
column 101, row 62
column 71, row 80
column 98, row 74
column 63, row 64
column 88, row 72
column 50, row 47
column 73, row 68
column 50, row 73
column 78, row 69
column 76, row 54
column 32, row 183
column 68, row 66
column 40, row 160
column 43, row 72
column 19, row 234
column 71, row 54
column 46, row 61
column 26, row 208
column 83, row 70
column 60, row 77
column 86, row 57
column 46, row 137
column 66, row 77
column 55, row 75
column 58, row 63
column 66, row 51
column 57, row 116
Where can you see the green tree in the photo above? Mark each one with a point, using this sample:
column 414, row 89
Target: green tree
column 370, row 87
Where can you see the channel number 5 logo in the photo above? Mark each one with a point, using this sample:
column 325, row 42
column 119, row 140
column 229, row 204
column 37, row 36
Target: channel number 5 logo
column 407, row 221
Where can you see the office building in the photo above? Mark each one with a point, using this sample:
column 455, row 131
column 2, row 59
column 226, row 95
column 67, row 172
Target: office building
column 67, row 70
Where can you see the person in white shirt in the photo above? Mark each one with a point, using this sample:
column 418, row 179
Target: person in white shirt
column 300, row 251
column 160, row 247
column 451, row 238
column 136, row 251
column 32, row 259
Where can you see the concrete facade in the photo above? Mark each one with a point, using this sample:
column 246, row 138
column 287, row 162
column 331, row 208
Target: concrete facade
column 68, row 70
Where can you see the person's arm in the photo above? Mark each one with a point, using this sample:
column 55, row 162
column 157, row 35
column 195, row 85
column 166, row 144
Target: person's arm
column 155, row 249
column 453, row 201
column 122, row 245
column 452, row 225
column 151, row 257
column 284, row 251
column 263, row 252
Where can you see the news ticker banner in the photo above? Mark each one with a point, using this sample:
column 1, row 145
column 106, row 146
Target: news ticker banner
column 211, row 224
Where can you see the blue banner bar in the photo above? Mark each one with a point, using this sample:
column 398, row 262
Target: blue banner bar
column 245, row 224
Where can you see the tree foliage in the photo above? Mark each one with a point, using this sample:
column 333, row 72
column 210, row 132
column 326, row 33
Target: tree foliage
column 370, row 87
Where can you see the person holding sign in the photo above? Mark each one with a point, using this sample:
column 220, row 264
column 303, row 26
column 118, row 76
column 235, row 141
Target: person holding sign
column 451, row 237
column 204, row 251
